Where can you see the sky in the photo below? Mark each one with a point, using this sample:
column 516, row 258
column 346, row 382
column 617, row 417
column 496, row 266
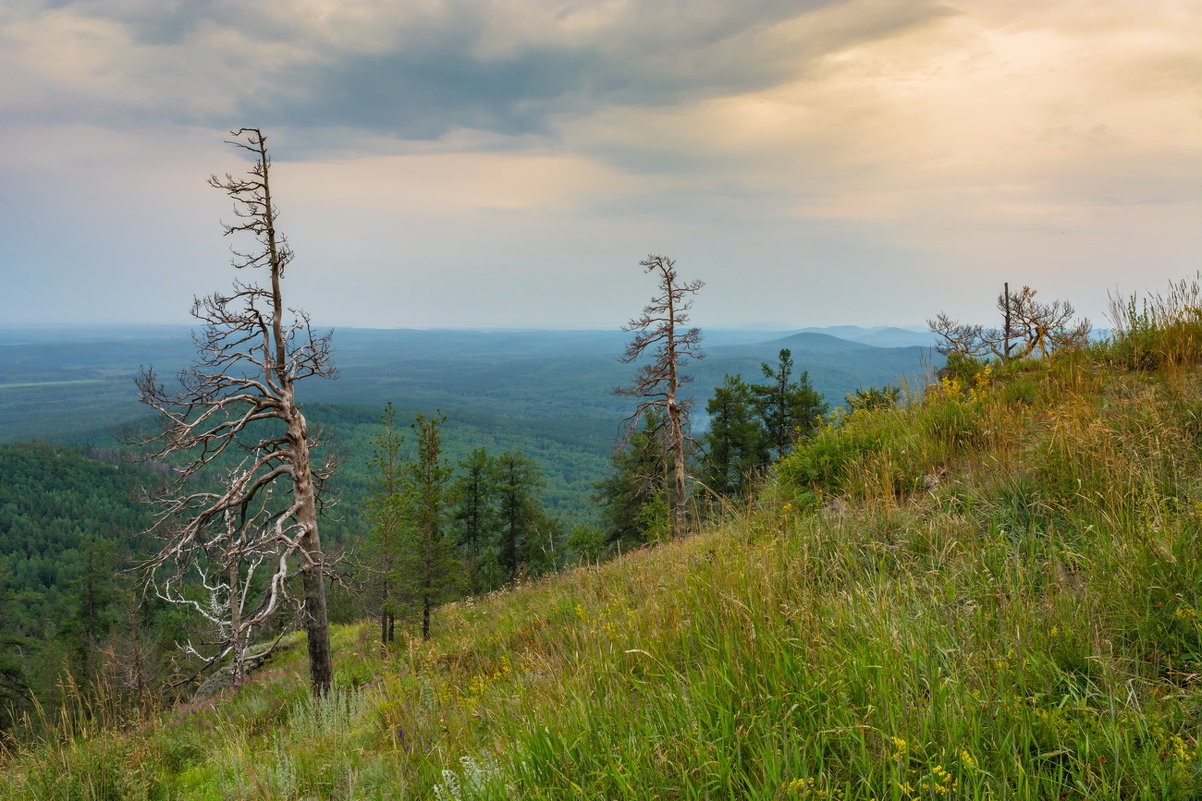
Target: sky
column 454, row 163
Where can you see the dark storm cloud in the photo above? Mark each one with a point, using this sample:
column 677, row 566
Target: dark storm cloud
column 416, row 71
column 440, row 73
column 422, row 93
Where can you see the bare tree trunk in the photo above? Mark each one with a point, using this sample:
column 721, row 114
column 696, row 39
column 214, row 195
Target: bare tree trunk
column 676, row 431
column 237, row 636
column 426, row 616
column 1008, row 331
column 317, row 625
column 675, row 422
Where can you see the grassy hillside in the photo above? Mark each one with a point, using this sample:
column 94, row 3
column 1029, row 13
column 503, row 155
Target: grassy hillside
column 993, row 593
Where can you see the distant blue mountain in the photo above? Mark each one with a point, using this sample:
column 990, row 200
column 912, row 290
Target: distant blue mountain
column 897, row 338
column 811, row 342
column 841, row 331
column 880, row 336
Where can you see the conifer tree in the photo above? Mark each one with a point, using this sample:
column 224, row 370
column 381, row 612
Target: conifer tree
column 788, row 410
column 14, row 687
column 517, row 479
column 634, row 504
column 386, row 509
column 735, row 445
column 428, row 570
column 94, row 596
column 475, row 493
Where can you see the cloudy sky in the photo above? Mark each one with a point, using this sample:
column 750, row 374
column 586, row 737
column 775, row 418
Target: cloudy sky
column 483, row 164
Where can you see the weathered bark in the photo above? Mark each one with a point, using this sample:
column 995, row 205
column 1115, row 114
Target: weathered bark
column 316, row 617
column 317, row 625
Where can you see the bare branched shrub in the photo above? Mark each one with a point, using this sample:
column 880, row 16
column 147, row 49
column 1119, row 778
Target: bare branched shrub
column 1028, row 327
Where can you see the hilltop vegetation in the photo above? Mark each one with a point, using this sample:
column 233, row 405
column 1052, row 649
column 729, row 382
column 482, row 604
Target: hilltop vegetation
column 992, row 592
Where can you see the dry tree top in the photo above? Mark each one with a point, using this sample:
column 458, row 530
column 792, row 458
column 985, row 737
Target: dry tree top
column 658, row 330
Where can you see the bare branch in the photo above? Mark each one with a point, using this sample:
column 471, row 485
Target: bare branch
column 1030, row 327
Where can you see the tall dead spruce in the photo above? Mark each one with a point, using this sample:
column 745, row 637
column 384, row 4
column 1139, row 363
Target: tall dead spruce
column 240, row 519
column 660, row 329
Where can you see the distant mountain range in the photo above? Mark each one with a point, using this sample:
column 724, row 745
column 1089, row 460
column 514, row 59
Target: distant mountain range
column 57, row 384
column 881, row 337
column 546, row 393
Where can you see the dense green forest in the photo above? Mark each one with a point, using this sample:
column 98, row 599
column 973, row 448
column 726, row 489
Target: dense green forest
column 69, row 521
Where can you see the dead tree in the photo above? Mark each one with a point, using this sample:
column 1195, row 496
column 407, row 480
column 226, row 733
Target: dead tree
column 660, row 330
column 250, row 531
column 1028, row 326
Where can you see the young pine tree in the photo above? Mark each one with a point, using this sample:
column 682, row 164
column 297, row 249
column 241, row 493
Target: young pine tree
column 428, row 570
column 735, row 445
column 475, row 516
column 517, row 479
column 387, row 511
column 787, row 410
column 634, row 497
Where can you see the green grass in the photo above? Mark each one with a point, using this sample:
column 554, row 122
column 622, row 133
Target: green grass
column 1005, row 603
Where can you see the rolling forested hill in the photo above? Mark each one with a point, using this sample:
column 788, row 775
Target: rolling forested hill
column 547, row 393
